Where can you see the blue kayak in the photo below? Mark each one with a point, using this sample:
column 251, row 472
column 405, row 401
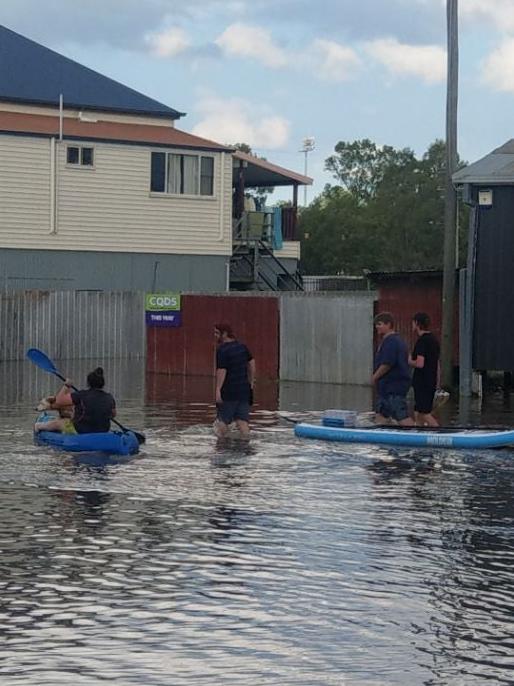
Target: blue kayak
column 112, row 442
column 408, row 437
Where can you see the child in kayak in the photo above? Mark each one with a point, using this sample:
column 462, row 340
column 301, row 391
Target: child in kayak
column 93, row 408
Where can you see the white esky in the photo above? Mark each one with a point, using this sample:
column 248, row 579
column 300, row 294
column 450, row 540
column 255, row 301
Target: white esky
column 272, row 72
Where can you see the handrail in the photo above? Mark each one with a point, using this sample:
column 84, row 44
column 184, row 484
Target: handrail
column 297, row 283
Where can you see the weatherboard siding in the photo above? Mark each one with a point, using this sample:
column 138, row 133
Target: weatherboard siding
column 108, row 208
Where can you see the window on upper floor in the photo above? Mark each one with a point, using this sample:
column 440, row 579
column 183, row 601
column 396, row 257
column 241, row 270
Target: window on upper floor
column 80, row 155
column 177, row 174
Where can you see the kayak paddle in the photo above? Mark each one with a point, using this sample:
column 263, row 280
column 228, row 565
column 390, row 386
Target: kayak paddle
column 44, row 362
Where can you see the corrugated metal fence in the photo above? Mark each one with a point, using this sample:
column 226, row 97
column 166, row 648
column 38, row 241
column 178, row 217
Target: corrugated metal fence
column 72, row 324
column 325, row 338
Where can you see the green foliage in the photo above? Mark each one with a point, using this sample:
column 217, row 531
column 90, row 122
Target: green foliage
column 386, row 214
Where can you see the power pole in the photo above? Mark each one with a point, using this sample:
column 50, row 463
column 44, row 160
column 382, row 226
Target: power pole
column 450, row 207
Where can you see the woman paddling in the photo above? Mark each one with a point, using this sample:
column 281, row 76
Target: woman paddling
column 93, row 408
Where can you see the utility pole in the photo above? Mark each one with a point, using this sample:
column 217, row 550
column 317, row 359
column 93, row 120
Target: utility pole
column 308, row 146
column 450, row 207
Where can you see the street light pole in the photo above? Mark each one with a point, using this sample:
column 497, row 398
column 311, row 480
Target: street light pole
column 450, row 209
column 308, row 146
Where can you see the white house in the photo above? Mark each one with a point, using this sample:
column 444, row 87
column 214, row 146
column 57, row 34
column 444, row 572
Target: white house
column 100, row 190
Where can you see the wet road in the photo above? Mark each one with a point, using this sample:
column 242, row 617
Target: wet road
column 281, row 562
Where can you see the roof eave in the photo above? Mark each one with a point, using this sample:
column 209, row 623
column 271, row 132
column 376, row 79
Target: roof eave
column 162, row 114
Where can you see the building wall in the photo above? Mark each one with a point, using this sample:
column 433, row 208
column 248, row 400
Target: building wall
column 88, row 270
column 107, row 208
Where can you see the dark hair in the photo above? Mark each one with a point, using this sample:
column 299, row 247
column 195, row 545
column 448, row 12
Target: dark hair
column 422, row 320
column 384, row 318
column 95, row 379
column 225, row 328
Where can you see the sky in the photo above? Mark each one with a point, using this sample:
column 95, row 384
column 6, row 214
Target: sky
column 272, row 72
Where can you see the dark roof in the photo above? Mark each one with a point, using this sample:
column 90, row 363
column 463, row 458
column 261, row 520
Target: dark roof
column 31, row 73
column 261, row 173
column 495, row 168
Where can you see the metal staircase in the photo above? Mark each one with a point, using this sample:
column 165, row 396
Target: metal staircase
column 253, row 266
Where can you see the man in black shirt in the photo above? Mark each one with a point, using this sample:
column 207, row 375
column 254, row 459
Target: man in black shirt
column 235, row 375
column 425, row 360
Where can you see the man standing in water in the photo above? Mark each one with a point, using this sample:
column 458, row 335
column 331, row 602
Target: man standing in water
column 425, row 360
column 391, row 375
column 235, row 376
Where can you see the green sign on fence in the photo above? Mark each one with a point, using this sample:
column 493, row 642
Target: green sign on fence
column 163, row 309
column 156, row 302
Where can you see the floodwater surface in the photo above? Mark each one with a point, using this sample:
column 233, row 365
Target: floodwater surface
column 284, row 561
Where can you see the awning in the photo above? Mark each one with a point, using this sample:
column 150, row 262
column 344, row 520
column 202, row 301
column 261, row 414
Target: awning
column 261, row 173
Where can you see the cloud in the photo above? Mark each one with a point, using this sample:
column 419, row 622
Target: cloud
column 336, row 62
column 499, row 12
column 233, row 120
column 497, row 67
column 251, row 41
column 426, row 61
column 169, row 42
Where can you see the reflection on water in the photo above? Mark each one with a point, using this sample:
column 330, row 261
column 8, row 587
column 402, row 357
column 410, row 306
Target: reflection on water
column 278, row 562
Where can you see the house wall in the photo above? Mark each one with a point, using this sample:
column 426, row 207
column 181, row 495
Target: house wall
column 91, row 270
column 108, row 207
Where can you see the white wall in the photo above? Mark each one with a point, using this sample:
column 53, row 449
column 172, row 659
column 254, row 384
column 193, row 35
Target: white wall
column 108, row 208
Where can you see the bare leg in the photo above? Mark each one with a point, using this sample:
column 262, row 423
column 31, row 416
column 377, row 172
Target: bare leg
column 380, row 419
column 244, row 429
column 52, row 425
column 408, row 421
column 220, row 428
column 426, row 419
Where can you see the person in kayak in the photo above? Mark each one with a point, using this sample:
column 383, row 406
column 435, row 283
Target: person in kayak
column 93, row 408
column 391, row 373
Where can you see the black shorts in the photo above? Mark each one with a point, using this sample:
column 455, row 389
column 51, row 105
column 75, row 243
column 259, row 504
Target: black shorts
column 230, row 410
column 423, row 399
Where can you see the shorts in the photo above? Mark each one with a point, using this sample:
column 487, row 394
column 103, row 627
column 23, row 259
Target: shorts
column 230, row 410
column 68, row 427
column 393, row 407
column 424, row 400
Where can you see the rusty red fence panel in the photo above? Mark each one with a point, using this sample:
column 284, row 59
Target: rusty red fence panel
column 190, row 348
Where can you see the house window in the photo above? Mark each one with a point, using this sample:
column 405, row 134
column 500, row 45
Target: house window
column 81, row 156
column 182, row 174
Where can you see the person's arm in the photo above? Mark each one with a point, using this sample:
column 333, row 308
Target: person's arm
column 220, row 378
column 251, row 372
column 380, row 371
column 417, row 362
column 63, row 397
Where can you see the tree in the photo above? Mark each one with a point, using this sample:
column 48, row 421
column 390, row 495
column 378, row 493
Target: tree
column 360, row 166
column 386, row 213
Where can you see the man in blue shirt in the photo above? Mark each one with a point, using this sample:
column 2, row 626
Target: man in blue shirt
column 391, row 373
column 235, row 376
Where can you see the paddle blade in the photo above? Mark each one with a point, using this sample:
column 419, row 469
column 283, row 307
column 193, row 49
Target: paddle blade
column 141, row 438
column 41, row 360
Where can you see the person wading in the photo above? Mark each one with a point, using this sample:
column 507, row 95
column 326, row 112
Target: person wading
column 235, row 376
column 425, row 361
column 391, row 375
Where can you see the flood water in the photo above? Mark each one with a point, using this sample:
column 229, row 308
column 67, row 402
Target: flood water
column 286, row 561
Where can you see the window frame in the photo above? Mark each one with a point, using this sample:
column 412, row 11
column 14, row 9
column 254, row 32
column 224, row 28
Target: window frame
column 184, row 153
column 79, row 164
